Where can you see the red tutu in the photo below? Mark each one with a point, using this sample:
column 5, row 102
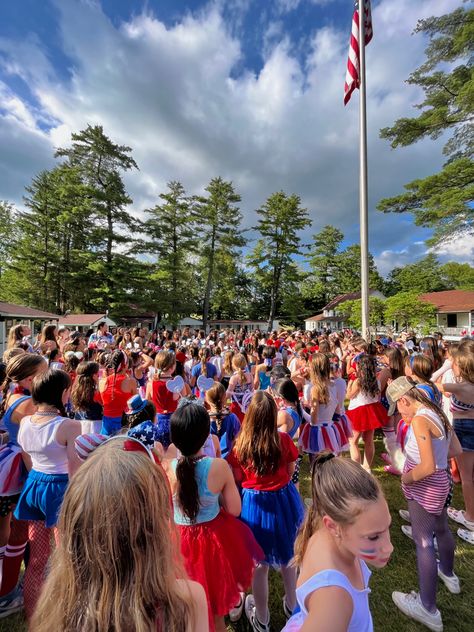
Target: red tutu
column 368, row 417
column 221, row 555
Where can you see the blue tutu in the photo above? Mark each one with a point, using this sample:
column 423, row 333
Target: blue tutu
column 163, row 426
column 111, row 425
column 41, row 497
column 274, row 518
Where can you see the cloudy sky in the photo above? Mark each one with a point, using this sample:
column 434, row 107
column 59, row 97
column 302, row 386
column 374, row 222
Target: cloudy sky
column 251, row 90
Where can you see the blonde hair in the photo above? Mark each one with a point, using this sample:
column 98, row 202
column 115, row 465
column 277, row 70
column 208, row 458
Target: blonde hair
column 227, row 365
column 117, row 562
column 320, row 375
column 464, row 358
column 204, row 354
column 239, row 364
column 11, row 353
column 15, row 336
column 164, row 361
column 339, row 487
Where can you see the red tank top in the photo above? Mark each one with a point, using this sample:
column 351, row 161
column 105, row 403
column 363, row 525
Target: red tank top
column 163, row 398
column 114, row 400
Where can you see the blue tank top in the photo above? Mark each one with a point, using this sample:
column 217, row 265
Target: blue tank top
column 208, row 500
column 264, row 380
column 296, row 420
column 11, row 426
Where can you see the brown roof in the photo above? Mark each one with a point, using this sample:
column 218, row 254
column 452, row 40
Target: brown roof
column 11, row 309
column 451, row 300
column 323, row 317
column 80, row 319
column 243, row 322
column 337, row 300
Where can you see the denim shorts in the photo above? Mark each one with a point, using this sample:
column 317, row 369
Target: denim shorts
column 464, row 429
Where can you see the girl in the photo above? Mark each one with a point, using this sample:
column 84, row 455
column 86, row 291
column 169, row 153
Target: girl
column 17, row 335
column 365, row 411
column 262, row 372
column 426, row 485
column 15, row 405
column 290, row 413
column 224, row 424
column 431, row 350
column 263, row 461
column 227, row 368
column 164, row 400
column 462, row 407
column 219, row 551
column 420, row 369
column 346, row 526
column 240, row 386
column 100, row 568
column 204, row 367
column 47, row 436
column 393, row 368
column 47, row 339
column 115, row 390
column 85, row 397
column 321, row 395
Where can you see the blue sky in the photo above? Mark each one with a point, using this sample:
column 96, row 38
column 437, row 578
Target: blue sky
column 247, row 89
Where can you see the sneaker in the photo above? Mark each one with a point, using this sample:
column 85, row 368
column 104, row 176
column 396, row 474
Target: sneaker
column 410, row 604
column 451, row 582
column 11, row 603
column 407, row 530
column 459, row 516
column 236, row 612
column 251, row 614
column 466, row 535
column 286, row 608
column 404, row 515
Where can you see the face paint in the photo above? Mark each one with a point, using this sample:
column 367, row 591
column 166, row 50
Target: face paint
column 368, row 554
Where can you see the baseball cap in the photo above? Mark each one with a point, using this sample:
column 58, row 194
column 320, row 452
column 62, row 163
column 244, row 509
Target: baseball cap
column 396, row 390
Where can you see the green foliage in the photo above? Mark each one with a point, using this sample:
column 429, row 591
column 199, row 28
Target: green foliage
column 8, row 235
column 422, row 276
column 457, row 276
column 319, row 286
column 352, row 311
column 406, row 309
column 442, row 201
column 281, row 219
column 219, row 231
column 347, row 271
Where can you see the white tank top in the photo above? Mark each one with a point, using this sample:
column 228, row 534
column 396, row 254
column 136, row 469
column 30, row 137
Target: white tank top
column 363, row 399
column 440, row 444
column 39, row 442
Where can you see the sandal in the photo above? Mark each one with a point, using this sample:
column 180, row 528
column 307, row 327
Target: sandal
column 458, row 516
column 466, row 535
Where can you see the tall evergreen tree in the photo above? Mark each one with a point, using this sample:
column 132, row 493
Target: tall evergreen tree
column 219, row 219
column 281, row 219
column 101, row 163
column 319, row 285
column 442, row 201
column 171, row 237
column 346, row 273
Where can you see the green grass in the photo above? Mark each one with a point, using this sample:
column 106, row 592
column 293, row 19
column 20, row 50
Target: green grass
column 400, row 574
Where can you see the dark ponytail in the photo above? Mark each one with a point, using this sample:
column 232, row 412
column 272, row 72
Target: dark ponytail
column 48, row 388
column 286, row 389
column 114, row 362
column 189, row 428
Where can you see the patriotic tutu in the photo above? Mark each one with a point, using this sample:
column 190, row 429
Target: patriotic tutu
column 163, row 429
column 41, row 497
column 274, row 518
column 368, row 417
column 13, row 472
column 221, row 555
column 332, row 435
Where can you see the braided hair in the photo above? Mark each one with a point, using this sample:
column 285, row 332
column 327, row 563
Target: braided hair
column 116, row 360
column 19, row 368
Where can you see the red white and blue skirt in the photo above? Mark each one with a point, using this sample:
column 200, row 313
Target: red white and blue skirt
column 326, row 435
column 368, row 417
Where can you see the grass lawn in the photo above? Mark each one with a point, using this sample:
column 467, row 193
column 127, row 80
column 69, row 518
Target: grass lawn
column 400, row 574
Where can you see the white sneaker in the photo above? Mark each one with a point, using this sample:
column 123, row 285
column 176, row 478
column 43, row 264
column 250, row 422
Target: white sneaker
column 404, row 515
column 410, row 604
column 236, row 612
column 407, row 530
column 451, row 583
column 251, row 614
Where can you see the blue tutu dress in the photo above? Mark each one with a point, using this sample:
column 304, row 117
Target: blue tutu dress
column 272, row 506
column 12, row 469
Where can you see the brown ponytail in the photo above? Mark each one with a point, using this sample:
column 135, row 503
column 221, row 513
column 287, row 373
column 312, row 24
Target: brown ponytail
column 19, row 368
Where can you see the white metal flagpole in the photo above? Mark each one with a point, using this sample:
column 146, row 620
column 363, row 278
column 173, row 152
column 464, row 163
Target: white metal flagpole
column 364, row 232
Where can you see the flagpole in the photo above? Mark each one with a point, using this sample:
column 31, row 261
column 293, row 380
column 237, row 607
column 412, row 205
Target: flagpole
column 364, row 231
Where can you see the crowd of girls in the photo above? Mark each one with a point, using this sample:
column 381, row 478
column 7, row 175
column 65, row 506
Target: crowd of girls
column 169, row 460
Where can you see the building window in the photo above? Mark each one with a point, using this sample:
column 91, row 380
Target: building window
column 452, row 320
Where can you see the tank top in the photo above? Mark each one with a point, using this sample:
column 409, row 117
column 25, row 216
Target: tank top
column 325, row 411
column 296, row 421
column 114, row 400
column 440, row 444
column 163, row 398
column 11, row 427
column 263, row 380
column 361, row 620
column 39, row 441
column 209, row 501
column 363, row 399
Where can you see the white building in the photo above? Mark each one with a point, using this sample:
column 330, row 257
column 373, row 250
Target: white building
column 329, row 318
column 455, row 312
column 83, row 322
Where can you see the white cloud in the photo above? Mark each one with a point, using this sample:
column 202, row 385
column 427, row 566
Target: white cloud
column 170, row 93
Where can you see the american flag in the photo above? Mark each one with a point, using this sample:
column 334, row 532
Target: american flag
column 352, row 73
